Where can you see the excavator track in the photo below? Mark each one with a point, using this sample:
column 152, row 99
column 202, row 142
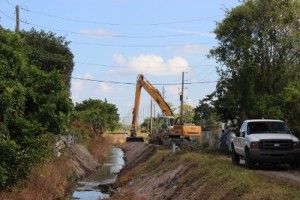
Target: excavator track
column 134, row 139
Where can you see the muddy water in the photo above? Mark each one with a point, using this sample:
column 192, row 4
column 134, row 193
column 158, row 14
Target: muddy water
column 89, row 189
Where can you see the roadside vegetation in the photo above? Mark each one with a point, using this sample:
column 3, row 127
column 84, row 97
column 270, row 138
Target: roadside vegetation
column 200, row 176
column 35, row 106
column 258, row 56
column 36, row 109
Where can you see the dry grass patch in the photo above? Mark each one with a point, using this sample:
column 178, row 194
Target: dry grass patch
column 46, row 182
column 99, row 147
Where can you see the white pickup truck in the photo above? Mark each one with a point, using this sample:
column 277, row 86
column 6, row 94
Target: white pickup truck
column 265, row 141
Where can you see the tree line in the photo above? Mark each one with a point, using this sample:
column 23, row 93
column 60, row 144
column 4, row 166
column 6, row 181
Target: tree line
column 258, row 53
column 35, row 73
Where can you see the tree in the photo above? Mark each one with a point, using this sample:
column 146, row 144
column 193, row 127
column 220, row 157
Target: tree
column 100, row 114
column 173, row 108
column 205, row 114
column 259, row 55
column 187, row 113
column 49, row 52
column 291, row 104
column 35, row 105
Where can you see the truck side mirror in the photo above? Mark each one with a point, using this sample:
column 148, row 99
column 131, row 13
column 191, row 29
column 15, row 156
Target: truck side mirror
column 242, row 134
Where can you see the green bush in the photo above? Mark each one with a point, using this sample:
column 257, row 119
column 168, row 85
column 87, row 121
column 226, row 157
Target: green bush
column 35, row 105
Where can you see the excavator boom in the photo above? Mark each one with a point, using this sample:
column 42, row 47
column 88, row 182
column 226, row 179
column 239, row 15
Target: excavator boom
column 169, row 128
column 154, row 93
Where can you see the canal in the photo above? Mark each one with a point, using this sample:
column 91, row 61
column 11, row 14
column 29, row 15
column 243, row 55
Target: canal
column 97, row 186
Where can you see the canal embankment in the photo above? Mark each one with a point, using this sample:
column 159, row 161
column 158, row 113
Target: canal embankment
column 58, row 178
column 99, row 184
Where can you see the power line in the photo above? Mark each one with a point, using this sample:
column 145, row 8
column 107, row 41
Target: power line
column 118, row 24
column 133, row 46
column 95, row 64
column 117, row 45
column 130, row 83
column 12, row 5
column 114, row 66
column 115, row 82
column 118, row 36
column 201, row 72
column 6, row 15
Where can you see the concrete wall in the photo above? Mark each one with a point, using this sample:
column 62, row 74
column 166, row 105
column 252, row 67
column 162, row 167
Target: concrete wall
column 63, row 141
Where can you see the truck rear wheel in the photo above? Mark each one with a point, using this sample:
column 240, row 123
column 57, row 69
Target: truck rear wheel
column 235, row 158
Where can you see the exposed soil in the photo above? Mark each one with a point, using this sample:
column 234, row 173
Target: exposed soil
column 174, row 182
column 82, row 161
column 85, row 162
column 136, row 153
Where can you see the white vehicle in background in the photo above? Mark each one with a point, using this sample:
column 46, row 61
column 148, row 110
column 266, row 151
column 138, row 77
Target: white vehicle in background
column 265, row 141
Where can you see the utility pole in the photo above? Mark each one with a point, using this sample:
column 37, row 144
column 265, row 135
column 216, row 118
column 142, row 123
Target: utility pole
column 17, row 19
column 154, row 109
column 181, row 98
column 151, row 116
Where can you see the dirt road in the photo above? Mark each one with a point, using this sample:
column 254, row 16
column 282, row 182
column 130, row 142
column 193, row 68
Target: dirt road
column 282, row 172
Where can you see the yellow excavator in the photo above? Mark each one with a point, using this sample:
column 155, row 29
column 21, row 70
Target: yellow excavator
column 167, row 126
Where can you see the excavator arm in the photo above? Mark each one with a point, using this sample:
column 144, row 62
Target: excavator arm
column 154, row 93
column 171, row 129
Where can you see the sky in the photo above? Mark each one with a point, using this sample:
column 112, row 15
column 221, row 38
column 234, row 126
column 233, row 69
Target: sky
column 115, row 40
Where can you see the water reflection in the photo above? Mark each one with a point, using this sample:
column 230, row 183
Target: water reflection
column 89, row 190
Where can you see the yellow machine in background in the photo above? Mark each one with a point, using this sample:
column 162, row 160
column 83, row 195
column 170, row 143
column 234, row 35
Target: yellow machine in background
column 167, row 126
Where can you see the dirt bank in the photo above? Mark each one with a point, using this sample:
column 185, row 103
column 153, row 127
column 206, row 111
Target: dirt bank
column 136, row 153
column 82, row 162
column 154, row 173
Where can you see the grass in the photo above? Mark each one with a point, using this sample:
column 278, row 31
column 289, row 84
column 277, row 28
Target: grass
column 99, row 147
column 211, row 177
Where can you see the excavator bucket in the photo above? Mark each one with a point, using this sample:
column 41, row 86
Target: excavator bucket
column 134, row 139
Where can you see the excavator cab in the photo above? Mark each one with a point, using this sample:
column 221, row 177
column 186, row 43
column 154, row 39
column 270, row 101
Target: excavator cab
column 165, row 124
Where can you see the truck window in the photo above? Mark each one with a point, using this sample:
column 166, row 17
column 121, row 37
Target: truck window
column 267, row 127
column 243, row 127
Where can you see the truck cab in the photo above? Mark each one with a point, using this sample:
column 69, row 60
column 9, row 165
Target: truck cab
column 265, row 141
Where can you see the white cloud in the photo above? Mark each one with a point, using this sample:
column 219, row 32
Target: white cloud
column 172, row 92
column 152, row 65
column 104, row 87
column 98, row 32
column 194, row 49
column 77, row 85
column 120, row 59
column 196, row 33
column 189, row 49
column 88, row 76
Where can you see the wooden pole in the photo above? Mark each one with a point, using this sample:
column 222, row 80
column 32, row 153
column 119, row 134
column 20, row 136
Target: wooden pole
column 17, row 19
